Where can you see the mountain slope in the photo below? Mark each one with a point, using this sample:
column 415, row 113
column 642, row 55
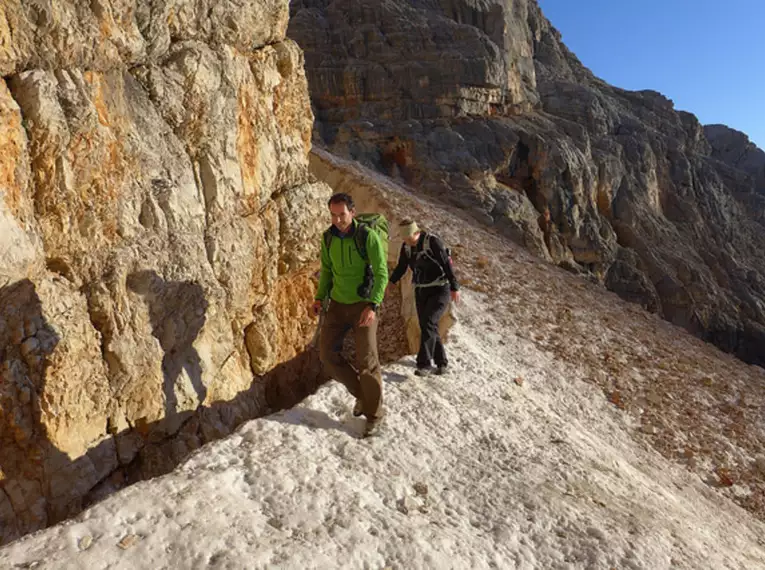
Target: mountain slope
column 516, row 459
column 481, row 104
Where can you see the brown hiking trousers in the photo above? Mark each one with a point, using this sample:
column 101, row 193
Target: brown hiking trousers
column 365, row 380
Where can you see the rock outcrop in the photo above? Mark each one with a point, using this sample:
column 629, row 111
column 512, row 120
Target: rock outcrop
column 735, row 149
column 482, row 105
column 158, row 239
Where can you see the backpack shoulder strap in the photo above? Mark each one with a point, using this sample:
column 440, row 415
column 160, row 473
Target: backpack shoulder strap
column 360, row 238
column 327, row 238
column 427, row 248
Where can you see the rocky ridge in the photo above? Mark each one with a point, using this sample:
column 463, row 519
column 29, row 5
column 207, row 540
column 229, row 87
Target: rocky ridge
column 735, row 149
column 481, row 104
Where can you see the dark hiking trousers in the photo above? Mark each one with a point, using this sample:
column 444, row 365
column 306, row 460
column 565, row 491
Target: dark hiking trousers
column 365, row 380
column 431, row 304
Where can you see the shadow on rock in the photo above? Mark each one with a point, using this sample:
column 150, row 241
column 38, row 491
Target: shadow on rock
column 39, row 484
column 177, row 311
column 29, row 462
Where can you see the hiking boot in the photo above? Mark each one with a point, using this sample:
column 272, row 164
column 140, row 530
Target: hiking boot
column 441, row 370
column 373, row 427
column 358, row 409
column 423, row 371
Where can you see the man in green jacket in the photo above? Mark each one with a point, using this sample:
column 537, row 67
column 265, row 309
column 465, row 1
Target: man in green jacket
column 345, row 277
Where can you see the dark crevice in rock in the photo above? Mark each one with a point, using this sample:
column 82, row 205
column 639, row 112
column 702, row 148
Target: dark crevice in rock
column 10, row 505
column 519, row 175
column 61, row 267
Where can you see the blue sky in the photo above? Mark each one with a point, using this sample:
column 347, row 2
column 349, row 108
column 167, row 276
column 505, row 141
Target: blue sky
column 708, row 56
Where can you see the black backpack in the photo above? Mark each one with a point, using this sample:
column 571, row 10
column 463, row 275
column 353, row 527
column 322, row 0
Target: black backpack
column 427, row 249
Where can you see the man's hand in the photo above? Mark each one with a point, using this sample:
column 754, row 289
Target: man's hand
column 368, row 316
column 455, row 296
column 315, row 308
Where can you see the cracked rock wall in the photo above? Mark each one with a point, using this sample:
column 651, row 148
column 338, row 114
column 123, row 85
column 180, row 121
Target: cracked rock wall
column 158, row 236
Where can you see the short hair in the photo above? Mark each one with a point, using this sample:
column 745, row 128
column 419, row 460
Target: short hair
column 341, row 198
column 406, row 222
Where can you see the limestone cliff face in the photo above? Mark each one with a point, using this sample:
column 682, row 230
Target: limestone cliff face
column 158, row 237
column 397, row 60
column 480, row 104
column 735, row 149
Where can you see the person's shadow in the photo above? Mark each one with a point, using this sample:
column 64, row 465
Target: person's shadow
column 177, row 310
column 313, row 419
column 394, row 377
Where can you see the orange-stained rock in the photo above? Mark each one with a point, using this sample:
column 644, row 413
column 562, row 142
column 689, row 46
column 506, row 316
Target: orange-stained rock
column 159, row 230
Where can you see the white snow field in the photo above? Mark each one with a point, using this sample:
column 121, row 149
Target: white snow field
column 509, row 461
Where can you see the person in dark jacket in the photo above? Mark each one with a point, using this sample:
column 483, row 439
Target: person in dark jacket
column 434, row 285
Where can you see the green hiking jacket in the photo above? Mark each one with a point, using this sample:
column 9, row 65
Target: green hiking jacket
column 342, row 268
